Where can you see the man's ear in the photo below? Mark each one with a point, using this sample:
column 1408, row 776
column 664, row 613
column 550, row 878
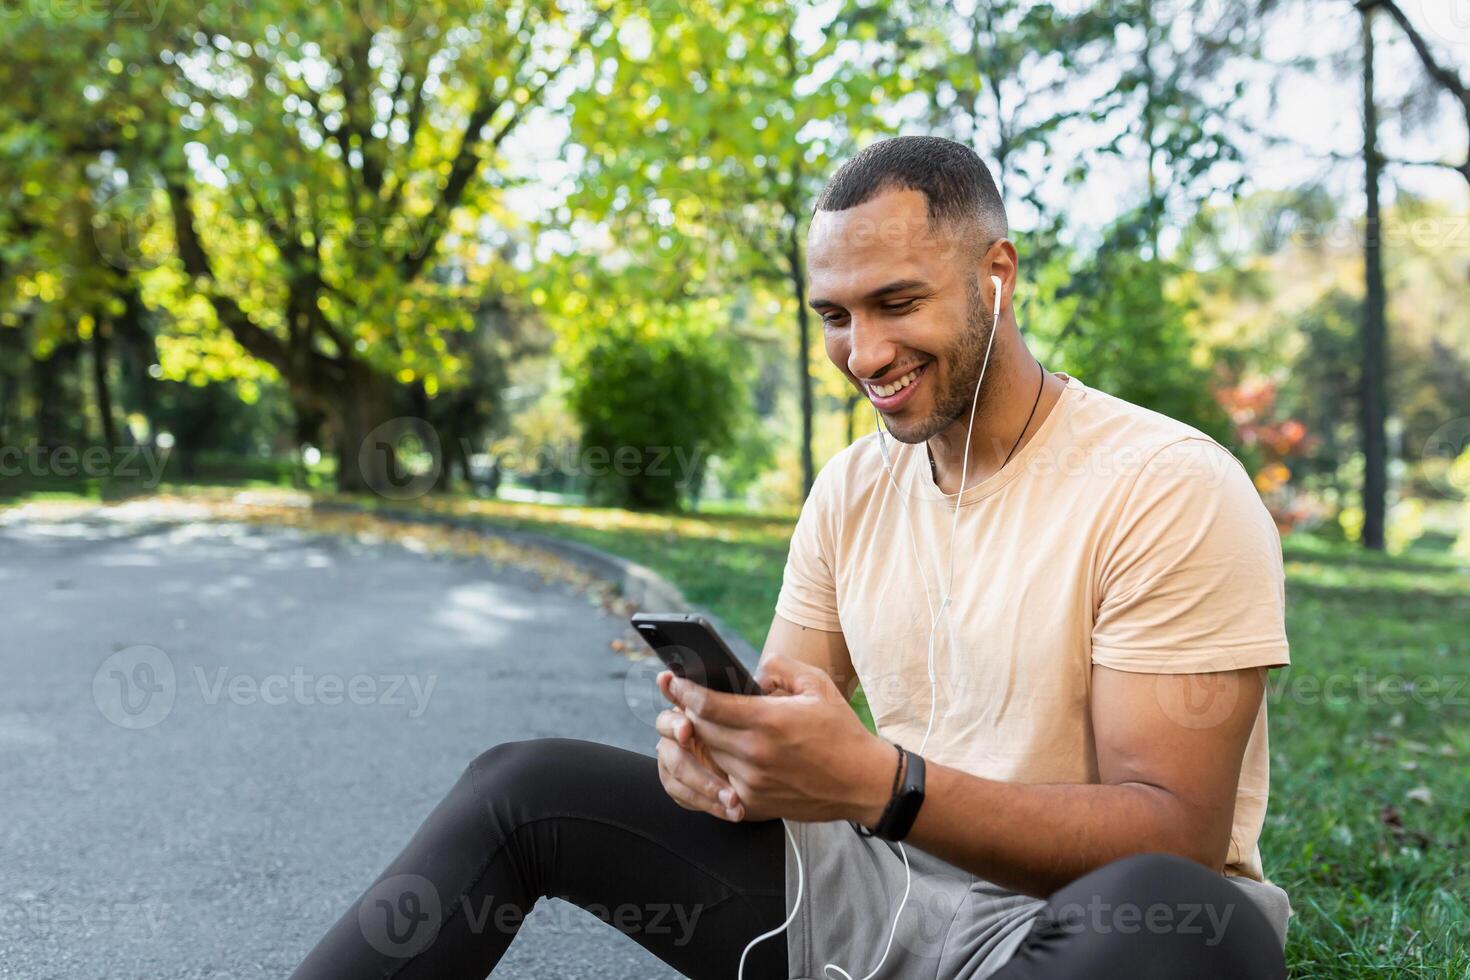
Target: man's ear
column 1000, row 260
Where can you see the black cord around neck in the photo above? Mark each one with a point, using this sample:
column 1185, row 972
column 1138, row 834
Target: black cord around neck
column 1040, row 384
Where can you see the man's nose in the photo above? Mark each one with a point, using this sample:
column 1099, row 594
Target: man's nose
column 871, row 350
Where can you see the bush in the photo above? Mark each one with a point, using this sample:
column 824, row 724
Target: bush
column 653, row 408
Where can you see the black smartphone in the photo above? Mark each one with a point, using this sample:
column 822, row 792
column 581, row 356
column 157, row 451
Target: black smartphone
column 691, row 648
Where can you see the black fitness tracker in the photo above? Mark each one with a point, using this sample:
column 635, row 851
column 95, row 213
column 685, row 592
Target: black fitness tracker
column 898, row 817
column 903, row 806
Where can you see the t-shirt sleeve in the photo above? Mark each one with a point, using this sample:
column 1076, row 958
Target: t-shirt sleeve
column 1191, row 577
column 809, row 584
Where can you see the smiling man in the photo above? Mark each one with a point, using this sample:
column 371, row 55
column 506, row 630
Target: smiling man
column 1061, row 608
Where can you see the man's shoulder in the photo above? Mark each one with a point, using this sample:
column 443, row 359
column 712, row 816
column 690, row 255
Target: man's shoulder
column 1159, row 470
column 1129, row 440
column 853, row 471
column 1102, row 418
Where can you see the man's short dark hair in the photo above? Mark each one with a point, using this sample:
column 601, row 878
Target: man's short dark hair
column 955, row 183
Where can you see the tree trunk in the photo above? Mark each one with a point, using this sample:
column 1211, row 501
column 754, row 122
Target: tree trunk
column 106, row 424
column 803, row 356
column 12, row 373
column 1150, row 97
column 366, row 445
column 1374, row 398
column 134, row 351
column 55, row 410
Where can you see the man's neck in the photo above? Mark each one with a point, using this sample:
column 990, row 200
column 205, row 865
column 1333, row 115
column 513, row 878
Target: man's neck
column 1004, row 419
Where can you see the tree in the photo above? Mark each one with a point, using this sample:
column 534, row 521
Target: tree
column 1003, row 88
column 326, row 190
column 654, row 400
column 1121, row 324
column 62, row 123
column 1439, row 72
column 705, row 167
column 1373, row 400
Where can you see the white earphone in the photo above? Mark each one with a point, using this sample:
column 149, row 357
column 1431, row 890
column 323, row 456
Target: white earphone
column 830, row 969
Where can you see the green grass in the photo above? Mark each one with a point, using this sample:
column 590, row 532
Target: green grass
column 1380, row 879
column 1369, row 826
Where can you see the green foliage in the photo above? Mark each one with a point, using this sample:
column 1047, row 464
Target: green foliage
column 653, row 407
column 1125, row 331
column 318, row 202
column 728, row 117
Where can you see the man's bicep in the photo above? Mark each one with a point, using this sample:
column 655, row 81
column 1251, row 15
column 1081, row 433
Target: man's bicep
column 1184, row 734
column 820, row 648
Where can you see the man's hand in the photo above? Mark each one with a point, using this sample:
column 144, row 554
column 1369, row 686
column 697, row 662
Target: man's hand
column 689, row 776
column 800, row 752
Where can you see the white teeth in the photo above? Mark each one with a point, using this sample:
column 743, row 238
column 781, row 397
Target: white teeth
column 884, row 391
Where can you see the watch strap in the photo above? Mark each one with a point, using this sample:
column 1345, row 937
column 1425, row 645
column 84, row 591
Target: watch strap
column 903, row 809
column 892, row 794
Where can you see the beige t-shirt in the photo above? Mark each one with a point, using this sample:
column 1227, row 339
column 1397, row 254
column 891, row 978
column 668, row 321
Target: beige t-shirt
column 1116, row 536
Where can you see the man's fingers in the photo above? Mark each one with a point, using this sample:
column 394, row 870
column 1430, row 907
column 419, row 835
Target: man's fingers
column 689, row 770
column 697, row 776
column 694, row 787
column 662, row 680
column 714, row 735
column 683, row 794
column 671, row 723
column 730, row 710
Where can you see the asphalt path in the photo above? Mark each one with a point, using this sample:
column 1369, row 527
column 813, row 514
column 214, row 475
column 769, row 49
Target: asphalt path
column 214, row 736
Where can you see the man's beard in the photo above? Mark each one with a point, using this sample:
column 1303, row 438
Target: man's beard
column 966, row 358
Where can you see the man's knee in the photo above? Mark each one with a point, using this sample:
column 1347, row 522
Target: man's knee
column 1165, row 876
column 510, row 763
column 1168, row 908
column 518, row 781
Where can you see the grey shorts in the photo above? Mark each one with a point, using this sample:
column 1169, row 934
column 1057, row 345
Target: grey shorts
column 954, row 925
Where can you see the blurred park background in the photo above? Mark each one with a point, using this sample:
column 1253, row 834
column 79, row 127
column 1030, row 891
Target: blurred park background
column 539, row 263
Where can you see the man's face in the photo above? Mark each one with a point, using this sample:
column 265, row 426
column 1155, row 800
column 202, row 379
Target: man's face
column 902, row 311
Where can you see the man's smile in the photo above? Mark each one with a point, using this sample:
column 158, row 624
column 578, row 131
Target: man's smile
column 897, row 390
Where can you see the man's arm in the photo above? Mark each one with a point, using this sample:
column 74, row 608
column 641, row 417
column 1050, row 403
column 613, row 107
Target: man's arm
column 823, row 650
column 1167, row 769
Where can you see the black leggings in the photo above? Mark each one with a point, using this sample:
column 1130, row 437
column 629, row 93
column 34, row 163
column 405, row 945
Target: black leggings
column 591, row 824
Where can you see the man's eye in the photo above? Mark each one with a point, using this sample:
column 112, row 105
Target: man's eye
column 902, row 307
column 833, row 319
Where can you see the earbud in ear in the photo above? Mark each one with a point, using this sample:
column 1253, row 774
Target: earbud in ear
column 995, row 314
column 995, row 281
